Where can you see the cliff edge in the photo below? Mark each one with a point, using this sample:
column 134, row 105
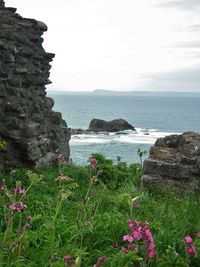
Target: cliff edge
column 34, row 134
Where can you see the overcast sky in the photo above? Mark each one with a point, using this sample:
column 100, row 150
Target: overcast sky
column 120, row 44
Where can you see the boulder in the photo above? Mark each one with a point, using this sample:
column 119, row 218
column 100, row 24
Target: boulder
column 174, row 161
column 97, row 125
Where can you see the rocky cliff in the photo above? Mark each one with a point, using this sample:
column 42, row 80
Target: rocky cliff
column 34, row 134
column 174, row 161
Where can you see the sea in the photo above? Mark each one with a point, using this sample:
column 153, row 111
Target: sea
column 153, row 114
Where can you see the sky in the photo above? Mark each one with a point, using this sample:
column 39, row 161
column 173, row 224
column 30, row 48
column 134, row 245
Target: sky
column 121, row 45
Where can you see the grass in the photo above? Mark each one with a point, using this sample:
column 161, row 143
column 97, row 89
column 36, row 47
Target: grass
column 83, row 212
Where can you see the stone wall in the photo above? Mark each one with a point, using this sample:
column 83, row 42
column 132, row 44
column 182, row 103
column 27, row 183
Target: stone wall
column 174, row 161
column 35, row 135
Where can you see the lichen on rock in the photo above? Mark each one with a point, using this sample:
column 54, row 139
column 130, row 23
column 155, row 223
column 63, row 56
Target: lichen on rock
column 35, row 134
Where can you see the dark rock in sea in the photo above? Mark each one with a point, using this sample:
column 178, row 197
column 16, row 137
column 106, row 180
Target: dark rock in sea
column 117, row 125
column 35, row 135
column 174, row 161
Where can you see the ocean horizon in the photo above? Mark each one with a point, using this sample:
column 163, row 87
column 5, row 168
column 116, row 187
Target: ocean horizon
column 153, row 114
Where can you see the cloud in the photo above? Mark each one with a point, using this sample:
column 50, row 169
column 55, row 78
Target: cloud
column 182, row 80
column 194, row 27
column 183, row 4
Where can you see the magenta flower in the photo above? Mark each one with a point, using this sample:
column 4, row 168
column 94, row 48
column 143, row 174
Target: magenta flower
column 190, row 250
column 93, row 162
column 148, row 240
column 70, row 262
column 135, row 229
column 3, row 186
column 189, row 246
column 188, row 240
column 133, row 248
column 100, row 261
column 21, row 191
column 17, row 207
column 128, row 238
column 141, row 232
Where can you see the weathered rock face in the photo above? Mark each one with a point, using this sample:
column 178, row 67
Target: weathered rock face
column 97, row 125
column 174, row 161
column 35, row 134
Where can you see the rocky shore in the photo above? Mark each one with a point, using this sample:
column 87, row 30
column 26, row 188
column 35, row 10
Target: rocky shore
column 174, row 161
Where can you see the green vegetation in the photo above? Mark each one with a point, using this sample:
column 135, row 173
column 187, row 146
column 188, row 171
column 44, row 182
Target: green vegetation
column 78, row 216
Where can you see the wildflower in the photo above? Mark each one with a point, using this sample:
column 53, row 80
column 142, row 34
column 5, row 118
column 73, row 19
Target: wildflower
column 128, row 238
column 17, row 207
column 3, row 186
column 133, row 248
column 189, row 246
column 21, row 191
column 149, row 241
column 93, row 162
column 69, row 261
column 142, row 232
column 100, row 261
column 188, row 240
column 124, row 250
column 198, row 234
column 135, row 229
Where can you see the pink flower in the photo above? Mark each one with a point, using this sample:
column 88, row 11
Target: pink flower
column 124, row 250
column 128, row 238
column 69, row 261
column 191, row 250
column 188, row 240
column 17, row 207
column 149, row 241
column 135, row 229
column 3, row 186
column 100, row 261
column 21, row 191
column 93, row 162
column 189, row 246
column 133, row 247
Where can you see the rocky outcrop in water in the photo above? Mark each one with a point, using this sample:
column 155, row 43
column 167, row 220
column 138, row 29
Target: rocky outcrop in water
column 35, row 135
column 174, row 161
column 100, row 126
column 117, row 125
